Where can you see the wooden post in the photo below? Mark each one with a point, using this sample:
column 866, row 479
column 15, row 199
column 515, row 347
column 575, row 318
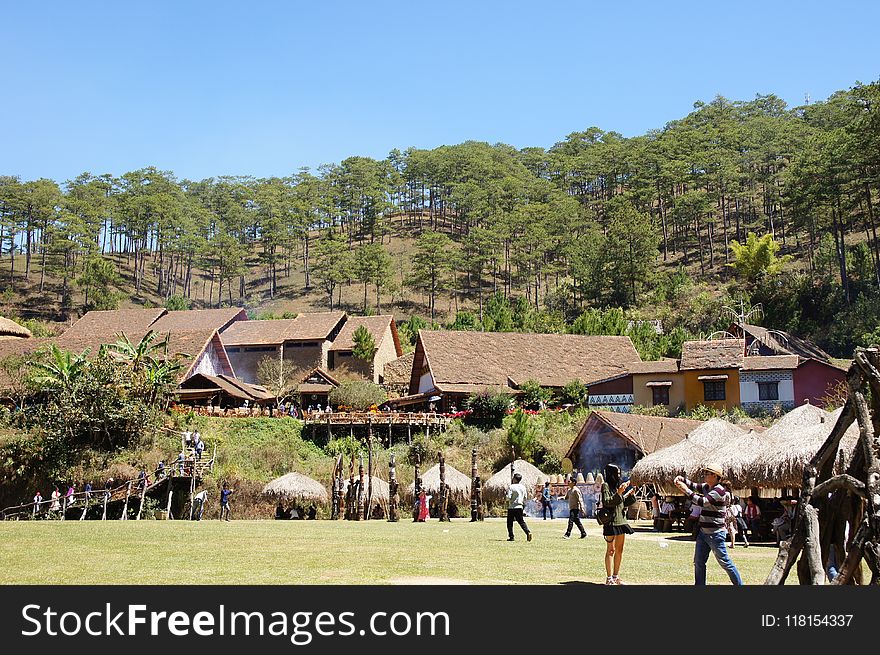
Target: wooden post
column 393, row 498
column 141, row 506
column 369, row 503
column 337, row 489
column 409, row 431
column 444, row 491
column 63, row 507
column 351, row 494
column 360, row 490
column 389, row 432
column 168, row 504
column 106, row 498
column 473, row 485
column 85, row 507
column 125, row 507
column 417, row 489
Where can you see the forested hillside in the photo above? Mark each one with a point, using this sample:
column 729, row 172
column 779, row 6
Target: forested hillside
column 488, row 236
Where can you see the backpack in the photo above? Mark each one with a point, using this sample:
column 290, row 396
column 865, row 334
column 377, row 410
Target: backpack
column 604, row 515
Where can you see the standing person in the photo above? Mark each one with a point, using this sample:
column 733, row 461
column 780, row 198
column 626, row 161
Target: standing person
column 575, row 508
column 736, row 524
column 88, row 490
column 752, row 516
column 68, row 497
column 200, row 447
column 713, row 499
column 516, row 500
column 225, row 493
column 199, row 501
column 187, row 438
column 655, row 511
column 616, row 495
column 56, row 498
column 546, row 501
column 38, row 500
column 196, row 437
column 666, row 510
column 423, row 506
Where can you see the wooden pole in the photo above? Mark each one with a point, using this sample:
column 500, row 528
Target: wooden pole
column 85, row 507
column 141, row 506
column 369, row 468
column 444, row 491
column 417, row 489
column 106, row 498
column 360, row 489
column 393, row 498
column 473, row 485
column 337, row 490
column 168, row 504
column 63, row 507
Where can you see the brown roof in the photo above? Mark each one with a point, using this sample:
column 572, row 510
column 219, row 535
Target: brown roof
column 198, row 319
column 10, row 348
column 769, row 363
column 720, row 353
column 229, row 385
column 647, row 433
column 258, row 333
column 9, row 328
column 490, row 358
column 472, row 388
column 400, row 370
column 115, row 321
column 376, row 326
column 305, row 327
column 782, row 342
column 661, row 366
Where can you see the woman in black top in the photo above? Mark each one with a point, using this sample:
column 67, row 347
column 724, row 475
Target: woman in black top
column 616, row 497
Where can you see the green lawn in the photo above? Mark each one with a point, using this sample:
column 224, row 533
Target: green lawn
column 326, row 552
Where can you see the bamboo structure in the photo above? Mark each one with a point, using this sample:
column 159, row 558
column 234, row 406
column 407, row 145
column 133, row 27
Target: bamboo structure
column 840, row 514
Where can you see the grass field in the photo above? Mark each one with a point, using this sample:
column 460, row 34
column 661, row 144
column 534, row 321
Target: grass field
column 325, row 552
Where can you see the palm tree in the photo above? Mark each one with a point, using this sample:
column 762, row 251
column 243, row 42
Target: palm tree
column 141, row 354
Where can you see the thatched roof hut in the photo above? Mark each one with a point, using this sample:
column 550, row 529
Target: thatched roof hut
column 296, row 486
column 381, row 489
column 500, row 482
column 737, row 456
column 458, row 483
column 11, row 330
column 791, row 445
column 687, row 456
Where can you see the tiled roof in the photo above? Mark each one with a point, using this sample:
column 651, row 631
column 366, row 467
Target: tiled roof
column 719, row 353
column 769, row 363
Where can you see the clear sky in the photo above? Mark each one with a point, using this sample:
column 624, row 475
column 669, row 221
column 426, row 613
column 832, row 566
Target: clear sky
column 264, row 88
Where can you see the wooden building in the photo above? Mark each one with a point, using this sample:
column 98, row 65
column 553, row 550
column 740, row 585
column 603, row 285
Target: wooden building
column 302, row 342
column 454, row 364
column 623, row 439
column 658, row 384
column 315, row 387
column 341, row 359
column 222, row 391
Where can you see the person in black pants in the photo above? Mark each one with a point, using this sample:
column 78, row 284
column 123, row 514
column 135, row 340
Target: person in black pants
column 575, row 508
column 546, row 502
column 516, row 500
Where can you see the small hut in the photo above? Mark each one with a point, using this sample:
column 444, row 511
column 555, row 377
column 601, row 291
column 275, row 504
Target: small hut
column 791, row 446
column 12, row 330
column 687, row 456
column 458, row 483
column 736, row 457
column 296, row 486
column 498, row 484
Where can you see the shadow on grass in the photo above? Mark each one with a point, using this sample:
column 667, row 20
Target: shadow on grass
column 581, row 583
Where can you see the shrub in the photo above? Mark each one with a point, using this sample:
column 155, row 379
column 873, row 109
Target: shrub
column 488, row 407
column 359, row 395
column 534, row 396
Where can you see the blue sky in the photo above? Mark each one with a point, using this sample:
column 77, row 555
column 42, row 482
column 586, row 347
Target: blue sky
column 264, row 88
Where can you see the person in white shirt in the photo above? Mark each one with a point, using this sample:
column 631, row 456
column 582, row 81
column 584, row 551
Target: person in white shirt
column 735, row 522
column 199, row 501
column 516, row 499
column 666, row 510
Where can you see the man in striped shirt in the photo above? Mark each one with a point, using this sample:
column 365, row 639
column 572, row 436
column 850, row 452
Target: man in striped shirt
column 713, row 499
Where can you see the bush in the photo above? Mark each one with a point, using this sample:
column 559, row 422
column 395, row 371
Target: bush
column 359, row 395
column 521, row 435
column 534, row 396
column 488, row 407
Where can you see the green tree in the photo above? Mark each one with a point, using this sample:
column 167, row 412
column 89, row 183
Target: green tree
column 757, row 257
column 533, row 395
column 632, row 248
column 359, row 395
column 364, row 344
column 522, row 436
column 99, row 279
column 332, row 265
column 431, row 264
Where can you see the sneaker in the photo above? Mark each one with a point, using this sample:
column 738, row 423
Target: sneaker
column 529, row 536
column 584, row 535
column 566, row 536
column 609, row 581
column 510, row 539
column 746, row 545
column 616, row 580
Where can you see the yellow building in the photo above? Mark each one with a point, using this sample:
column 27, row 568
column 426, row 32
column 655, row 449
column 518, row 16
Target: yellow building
column 711, row 373
column 658, row 384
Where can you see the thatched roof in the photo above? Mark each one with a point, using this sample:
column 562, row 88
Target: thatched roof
column 647, row 433
column 687, row 456
column 293, row 486
column 381, row 489
column 399, row 371
column 459, row 483
column 532, row 475
column 377, row 326
column 719, row 353
column 737, row 456
column 491, row 359
column 792, row 442
column 9, row 328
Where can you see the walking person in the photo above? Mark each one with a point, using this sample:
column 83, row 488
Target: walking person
column 616, row 495
column 56, row 498
column 546, row 501
column 735, row 523
column 225, row 493
column 752, row 516
column 200, row 447
column 199, row 501
column 516, row 499
column 38, row 500
column 713, row 499
column 575, row 508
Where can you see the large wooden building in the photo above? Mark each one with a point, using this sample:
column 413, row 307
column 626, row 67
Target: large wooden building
column 453, row 365
column 344, row 364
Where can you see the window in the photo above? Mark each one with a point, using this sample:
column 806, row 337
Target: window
column 768, row 391
column 661, row 395
column 713, row 390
